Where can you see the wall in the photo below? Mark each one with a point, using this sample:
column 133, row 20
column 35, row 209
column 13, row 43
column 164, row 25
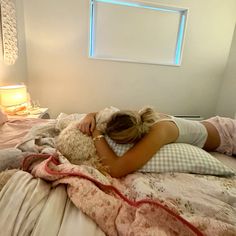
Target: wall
column 13, row 74
column 63, row 78
column 227, row 99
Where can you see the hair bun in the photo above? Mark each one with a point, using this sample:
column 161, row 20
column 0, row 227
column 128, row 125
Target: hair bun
column 148, row 115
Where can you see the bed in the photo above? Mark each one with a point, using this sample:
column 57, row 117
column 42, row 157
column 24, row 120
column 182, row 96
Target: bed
column 41, row 193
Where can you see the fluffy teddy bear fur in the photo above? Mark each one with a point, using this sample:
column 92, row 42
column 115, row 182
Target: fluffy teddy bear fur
column 77, row 147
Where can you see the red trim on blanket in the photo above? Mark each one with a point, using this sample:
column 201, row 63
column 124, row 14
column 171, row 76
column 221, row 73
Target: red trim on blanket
column 133, row 203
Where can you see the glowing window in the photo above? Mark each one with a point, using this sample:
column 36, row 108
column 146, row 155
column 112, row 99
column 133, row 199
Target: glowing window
column 136, row 32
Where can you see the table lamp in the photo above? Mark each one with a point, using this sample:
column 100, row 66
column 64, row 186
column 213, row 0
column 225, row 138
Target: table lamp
column 13, row 98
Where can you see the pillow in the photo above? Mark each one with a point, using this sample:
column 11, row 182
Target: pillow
column 3, row 117
column 179, row 157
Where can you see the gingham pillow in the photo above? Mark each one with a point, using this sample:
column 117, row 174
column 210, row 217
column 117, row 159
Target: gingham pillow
column 178, row 157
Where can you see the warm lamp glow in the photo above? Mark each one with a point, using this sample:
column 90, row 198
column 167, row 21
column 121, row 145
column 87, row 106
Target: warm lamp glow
column 13, row 95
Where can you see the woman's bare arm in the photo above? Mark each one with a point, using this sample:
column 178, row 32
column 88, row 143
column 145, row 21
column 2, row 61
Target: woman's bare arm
column 162, row 133
column 88, row 123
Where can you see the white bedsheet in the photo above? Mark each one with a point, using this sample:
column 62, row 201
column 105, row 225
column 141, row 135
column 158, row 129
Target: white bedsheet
column 227, row 160
column 35, row 203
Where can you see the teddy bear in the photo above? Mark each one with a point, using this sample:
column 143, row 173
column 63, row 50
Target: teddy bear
column 77, row 147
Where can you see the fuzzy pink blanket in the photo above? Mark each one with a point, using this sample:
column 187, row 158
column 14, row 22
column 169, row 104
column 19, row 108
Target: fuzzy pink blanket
column 109, row 202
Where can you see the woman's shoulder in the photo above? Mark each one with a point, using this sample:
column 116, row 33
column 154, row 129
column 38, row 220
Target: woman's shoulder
column 162, row 116
column 165, row 130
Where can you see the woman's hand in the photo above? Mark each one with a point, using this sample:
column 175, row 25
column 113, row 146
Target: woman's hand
column 88, row 123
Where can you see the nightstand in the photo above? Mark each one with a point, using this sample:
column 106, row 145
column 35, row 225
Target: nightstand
column 41, row 113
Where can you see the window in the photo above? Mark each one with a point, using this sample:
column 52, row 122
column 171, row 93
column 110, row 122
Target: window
column 136, row 32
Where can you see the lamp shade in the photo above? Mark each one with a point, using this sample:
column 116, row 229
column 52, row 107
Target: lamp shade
column 13, row 95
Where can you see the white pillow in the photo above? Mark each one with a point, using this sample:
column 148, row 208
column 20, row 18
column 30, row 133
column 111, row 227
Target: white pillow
column 179, row 157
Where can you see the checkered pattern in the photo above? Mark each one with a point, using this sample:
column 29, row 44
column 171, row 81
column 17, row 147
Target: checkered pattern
column 179, row 157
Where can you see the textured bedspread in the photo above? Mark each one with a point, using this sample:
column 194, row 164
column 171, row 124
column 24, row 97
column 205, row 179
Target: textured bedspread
column 145, row 204
column 92, row 192
column 138, row 204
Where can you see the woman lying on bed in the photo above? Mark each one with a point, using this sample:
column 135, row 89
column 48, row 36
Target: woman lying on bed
column 150, row 131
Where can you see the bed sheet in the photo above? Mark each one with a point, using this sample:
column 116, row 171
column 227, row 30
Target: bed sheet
column 40, row 209
column 227, row 160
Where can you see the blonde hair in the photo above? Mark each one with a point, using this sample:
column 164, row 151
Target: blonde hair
column 130, row 126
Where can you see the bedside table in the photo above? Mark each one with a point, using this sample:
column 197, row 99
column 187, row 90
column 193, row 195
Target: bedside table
column 41, row 113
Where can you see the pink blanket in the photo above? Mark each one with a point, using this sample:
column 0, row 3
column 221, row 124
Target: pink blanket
column 109, row 202
column 13, row 131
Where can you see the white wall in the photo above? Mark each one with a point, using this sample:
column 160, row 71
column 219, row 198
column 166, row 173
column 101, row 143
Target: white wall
column 13, row 74
column 227, row 99
column 63, row 78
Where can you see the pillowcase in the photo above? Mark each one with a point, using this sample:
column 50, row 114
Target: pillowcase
column 3, row 117
column 178, row 157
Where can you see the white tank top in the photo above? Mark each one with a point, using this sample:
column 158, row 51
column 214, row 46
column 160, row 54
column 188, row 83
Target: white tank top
column 190, row 131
